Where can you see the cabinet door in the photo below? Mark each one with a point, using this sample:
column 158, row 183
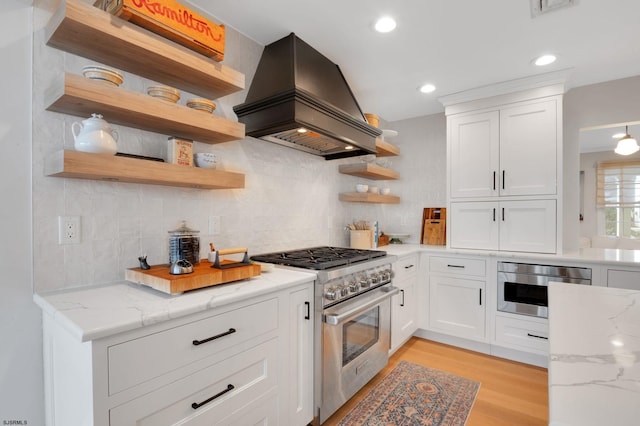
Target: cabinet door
column 528, row 226
column 404, row 305
column 457, row 306
column 474, row 161
column 528, row 138
column 301, row 351
column 474, row 225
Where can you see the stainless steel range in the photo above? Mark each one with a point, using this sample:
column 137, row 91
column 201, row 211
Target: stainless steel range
column 352, row 318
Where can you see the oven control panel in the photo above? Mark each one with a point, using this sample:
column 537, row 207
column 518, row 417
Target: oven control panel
column 353, row 284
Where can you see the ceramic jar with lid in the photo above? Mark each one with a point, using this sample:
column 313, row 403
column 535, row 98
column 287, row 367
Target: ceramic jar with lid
column 94, row 135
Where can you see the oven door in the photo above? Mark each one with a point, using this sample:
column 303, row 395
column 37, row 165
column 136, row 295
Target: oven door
column 355, row 346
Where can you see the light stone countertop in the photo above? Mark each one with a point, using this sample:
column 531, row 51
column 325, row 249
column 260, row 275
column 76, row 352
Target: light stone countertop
column 90, row 313
column 594, row 346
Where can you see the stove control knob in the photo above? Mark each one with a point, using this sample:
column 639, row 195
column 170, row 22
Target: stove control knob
column 354, row 286
column 343, row 290
column 386, row 274
column 375, row 278
column 331, row 294
column 365, row 282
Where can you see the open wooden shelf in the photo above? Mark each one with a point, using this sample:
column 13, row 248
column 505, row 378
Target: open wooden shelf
column 84, row 30
column 385, row 149
column 367, row 197
column 80, row 96
column 83, row 165
column 368, row 171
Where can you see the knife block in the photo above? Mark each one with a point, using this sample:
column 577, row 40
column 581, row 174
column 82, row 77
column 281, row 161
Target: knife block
column 434, row 226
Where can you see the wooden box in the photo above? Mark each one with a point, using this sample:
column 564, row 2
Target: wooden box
column 173, row 21
column 434, row 221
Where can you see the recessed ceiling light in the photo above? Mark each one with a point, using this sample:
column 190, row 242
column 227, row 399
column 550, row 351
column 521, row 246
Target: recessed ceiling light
column 427, row 88
column 545, row 60
column 385, row 24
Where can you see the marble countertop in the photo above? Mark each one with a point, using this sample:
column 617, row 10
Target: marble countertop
column 586, row 255
column 594, row 361
column 90, row 313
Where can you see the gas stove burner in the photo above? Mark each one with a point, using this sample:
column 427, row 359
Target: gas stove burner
column 319, row 258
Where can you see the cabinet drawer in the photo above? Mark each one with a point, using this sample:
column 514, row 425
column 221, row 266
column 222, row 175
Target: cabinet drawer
column 523, row 333
column 405, row 268
column 458, row 265
column 251, row 374
column 142, row 359
column 623, row 279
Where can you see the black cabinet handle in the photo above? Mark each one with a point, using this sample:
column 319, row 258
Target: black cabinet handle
column 197, row 405
column 226, row 333
column 408, row 267
column 503, row 179
column 537, row 337
column 480, row 298
column 402, row 303
column 455, row 266
column 308, row 305
column 503, row 214
column 494, row 180
column 494, row 214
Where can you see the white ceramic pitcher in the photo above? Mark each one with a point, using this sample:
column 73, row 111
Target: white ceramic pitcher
column 95, row 135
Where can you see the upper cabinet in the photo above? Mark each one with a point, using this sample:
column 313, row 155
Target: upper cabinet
column 504, row 153
column 510, row 151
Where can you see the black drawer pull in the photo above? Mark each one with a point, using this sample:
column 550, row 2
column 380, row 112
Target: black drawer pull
column 226, row 333
column 197, row 405
column 308, row 305
column 480, row 298
column 455, row 266
column 408, row 267
column 537, row 337
column 402, row 303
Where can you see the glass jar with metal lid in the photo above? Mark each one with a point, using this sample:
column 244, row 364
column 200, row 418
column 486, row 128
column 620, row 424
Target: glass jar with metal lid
column 184, row 244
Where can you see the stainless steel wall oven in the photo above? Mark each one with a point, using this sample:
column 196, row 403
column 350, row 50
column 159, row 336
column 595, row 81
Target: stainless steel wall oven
column 522, row 287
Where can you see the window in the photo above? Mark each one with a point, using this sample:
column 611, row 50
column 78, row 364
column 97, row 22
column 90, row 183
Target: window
column 618, row 193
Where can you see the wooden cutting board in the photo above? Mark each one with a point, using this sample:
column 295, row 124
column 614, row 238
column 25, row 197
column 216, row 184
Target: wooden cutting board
column 203, row 275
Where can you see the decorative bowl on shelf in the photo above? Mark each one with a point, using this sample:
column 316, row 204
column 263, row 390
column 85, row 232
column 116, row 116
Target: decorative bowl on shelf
column 374, row 190
column 165, row 93
column 385, row 191
column 202, row 104
column 362, row 187
column 103, row 74
column 205, row 160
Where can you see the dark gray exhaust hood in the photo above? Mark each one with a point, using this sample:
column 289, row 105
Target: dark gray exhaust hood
column 299, row 98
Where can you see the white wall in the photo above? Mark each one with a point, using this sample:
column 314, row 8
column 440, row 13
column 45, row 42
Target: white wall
column 21, row 396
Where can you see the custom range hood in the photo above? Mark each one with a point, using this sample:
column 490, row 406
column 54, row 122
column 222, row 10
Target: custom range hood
column 300, row 99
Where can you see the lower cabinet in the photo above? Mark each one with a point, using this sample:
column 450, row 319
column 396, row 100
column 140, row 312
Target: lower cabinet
column 525, row 226
column 629, row 279
column 250, row 362
column 523, row 333
column 404, row 305
column 457, row 296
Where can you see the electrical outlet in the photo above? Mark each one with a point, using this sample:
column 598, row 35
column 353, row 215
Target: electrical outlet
column 68, row 229
column 214, row 225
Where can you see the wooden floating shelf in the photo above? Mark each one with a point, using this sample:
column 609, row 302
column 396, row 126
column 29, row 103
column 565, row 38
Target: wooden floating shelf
column 368, row 171
column 85, row 30
column 80, row 96
column 83, row 165
column 385, row 149
column 367, row 197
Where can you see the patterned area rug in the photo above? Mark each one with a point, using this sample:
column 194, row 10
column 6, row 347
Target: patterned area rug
column 415, row 395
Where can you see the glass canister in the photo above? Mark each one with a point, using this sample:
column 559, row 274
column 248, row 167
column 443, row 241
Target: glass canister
column 184, row 244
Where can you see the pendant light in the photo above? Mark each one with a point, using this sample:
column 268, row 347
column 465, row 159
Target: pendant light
column 627, row 145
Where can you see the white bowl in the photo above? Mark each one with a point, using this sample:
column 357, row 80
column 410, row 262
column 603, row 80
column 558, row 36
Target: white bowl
column 385, row 191
column 202, row 104
column 205, row 160
column 103, row 75
column 165, row 93
column 362, row 188
column 374, row 190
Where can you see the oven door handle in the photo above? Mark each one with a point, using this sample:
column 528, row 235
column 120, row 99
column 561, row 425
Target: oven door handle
column 338, row 317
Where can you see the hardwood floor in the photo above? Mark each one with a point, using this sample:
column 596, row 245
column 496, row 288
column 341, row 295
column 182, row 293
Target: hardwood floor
column 511, row 393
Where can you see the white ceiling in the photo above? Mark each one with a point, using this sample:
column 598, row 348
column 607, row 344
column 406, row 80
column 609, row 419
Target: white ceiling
column 455, row 44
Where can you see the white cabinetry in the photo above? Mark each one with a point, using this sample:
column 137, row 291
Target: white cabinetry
column 404, row 305
column 248, row 362
column 629, row 279
column 510, row 151
column 457, row 296
column 523, row 333
column 527, row 226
